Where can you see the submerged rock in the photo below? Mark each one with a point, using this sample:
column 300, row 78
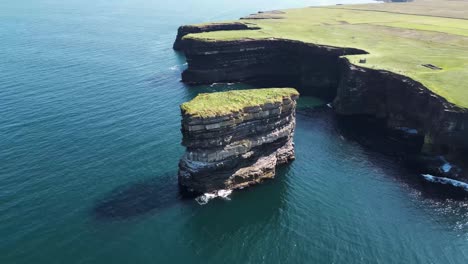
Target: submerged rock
column 236, row 138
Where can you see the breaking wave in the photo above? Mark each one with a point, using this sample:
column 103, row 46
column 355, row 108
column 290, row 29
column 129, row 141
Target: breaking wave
column 444, row 180
column 206, row 197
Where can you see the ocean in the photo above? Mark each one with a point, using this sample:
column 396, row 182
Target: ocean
column 90, row 143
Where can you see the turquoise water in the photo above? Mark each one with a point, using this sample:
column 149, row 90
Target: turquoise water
column 89, row 146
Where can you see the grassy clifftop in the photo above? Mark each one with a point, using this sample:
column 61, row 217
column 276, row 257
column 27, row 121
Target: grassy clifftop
column 221, row 103
column 426, row 40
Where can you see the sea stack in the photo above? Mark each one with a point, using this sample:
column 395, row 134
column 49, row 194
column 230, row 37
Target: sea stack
column 236, row 138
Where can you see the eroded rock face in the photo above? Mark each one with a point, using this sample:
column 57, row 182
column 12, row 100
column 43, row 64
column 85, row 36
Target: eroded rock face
column 237, row 149
column 312, row 69
column 184, row 30
column 319, row 71
column 402, row 102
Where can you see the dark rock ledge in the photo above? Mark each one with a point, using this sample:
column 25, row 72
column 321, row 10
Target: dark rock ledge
column 188, row 29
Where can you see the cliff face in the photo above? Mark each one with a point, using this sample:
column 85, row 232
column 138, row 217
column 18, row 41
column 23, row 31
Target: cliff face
column 236, row 149
column 319, row 71
column 185, row 30
column 312, row 69
column 403, row 102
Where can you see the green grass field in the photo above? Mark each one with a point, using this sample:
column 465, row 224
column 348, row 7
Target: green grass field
column 400, row 37
column 220, row 103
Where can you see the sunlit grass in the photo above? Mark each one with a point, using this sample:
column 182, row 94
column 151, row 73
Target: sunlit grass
column 396, row 42
column 221, row 103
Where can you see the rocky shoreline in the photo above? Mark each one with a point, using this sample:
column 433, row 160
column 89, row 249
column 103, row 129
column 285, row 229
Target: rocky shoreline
column 316, row 70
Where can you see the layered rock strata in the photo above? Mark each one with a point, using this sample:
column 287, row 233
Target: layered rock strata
column 237, row 148
column 312, row 69
column 188, row 29
column 322, row 71
column 403, row 103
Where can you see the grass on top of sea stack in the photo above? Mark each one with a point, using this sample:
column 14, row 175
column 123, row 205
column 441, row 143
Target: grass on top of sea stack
column 399, row 37
column 222, row 103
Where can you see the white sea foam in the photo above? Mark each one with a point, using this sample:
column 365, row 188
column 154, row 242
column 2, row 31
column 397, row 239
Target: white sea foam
column 447, row 166
column 216, row 84
column 206, row 197
column 408, row 130
column 224, row 194
column 174, row 68
column 444, row 180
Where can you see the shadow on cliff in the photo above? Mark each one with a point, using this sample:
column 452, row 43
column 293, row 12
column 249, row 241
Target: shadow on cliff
column 446, row 203
column 391, row 151
column 399, row 148
column 139, row 198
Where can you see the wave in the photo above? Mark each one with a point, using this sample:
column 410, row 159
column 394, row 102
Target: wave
column 206, row 197
column 444, row 180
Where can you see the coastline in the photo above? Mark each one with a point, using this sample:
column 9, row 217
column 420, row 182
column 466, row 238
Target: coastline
column 322, row 71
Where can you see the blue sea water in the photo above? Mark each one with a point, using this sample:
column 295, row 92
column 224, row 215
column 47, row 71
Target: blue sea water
column 90, row 142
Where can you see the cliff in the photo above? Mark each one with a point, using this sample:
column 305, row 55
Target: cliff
column 322, row 71
column 408, row 72
column 189, row 29
column 313, row 69
column 236, row 138
column 424, row 43
column 403, row 103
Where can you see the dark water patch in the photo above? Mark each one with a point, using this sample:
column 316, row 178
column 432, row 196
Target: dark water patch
column 259, row 207
column 404, row 149
column 309, row 102
column 374, row 134
column 139, row 198
column 318, row 111
column 443, row 188
column 434, row 165
column 398, row 147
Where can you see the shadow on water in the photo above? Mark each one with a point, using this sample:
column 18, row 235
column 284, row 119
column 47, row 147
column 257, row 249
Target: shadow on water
column 139, row 198
column 401, row 149
column 158, row 193
column 383, row 147
column 247, row 213
column 448, row 203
